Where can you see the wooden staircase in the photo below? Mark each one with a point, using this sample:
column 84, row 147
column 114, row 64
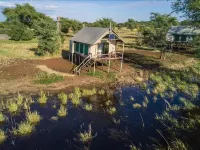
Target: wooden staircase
column 87, row 62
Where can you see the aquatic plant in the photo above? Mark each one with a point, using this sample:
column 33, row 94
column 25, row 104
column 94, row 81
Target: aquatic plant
column 86, row 136
column 43, row 98
column 63, row 98
column 33, row 117
column 132, row 98
column 88, row 107
column 71, row 95
column 146, row 100
column 12, row 107
column 77, row 92
column 24, row 129
column 108, row 102
column 133, row 147
column 144, row 104
column 111, row 110
column 155, row 98
column 54, row 118
column 101, row 92
column 86, row 92
column 2, row 117
column 148, row 91
column 26, row 106
column 19, row 99
column 2, row 136
column 76, row 100
column 62, row 112
column 136, row 105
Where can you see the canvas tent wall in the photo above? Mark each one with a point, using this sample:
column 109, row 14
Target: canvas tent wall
column 182, row 33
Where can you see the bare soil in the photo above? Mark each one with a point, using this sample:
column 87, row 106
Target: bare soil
column 18, row 75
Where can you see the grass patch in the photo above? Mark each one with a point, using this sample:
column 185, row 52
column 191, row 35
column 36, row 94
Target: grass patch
column 63, row 98
column 12, row 107
column 86, row 92
column 2, row 136
column 62, row 112
column 85, row 136
column 88, row 107
column 45, row 78
column 2, row 117
column 33, row 117
column 111, row 110
column 43, row 98
column 24, row 129
column 101, row 75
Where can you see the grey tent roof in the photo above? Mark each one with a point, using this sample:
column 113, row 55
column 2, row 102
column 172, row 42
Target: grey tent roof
column 184, row 30
column 89, row 35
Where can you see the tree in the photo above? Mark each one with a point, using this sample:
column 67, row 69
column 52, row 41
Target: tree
column 26, row 21
column 130, row 24
column 189, row 9
column 104, row 23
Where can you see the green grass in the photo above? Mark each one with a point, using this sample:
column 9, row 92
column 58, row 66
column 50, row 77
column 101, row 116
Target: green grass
column 45, row 78
column 12, row 107
column 88, row 107
column 85, row 136
column 43, row 98
column 24, row 129
column 111, row 110
column 63, row 98
column 2, row 117
column 87, row 92
column 2, row 136
column 136, row 105
column 33, row 117
column 62, row 112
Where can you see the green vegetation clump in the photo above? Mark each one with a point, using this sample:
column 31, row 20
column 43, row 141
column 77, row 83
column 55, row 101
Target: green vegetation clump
column 12, row 107
column 45, row 78
column 63, row 98
column 85, row 136
column 33, row 117
column 2, row 117
column 111, row 110
column 19, row 99
column 101, row 92
column 88, row 107
column 136, row 105
column 132, row 98
column 86, row 92
column 43, row 98
column 2, row 136
column 24, row 129
column 76, row 97
column 108, row 102
column 62, row 112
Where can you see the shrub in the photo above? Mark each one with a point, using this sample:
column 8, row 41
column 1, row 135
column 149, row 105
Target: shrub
column 2, row 136
column 88, row 107
column 33, row 117
column 62, row 112
column 2, row 117
column 43, row 98
column 63, row 98
column 45, row 78
column 12, row 107
column 86, row 92
column 24, row 129
column 111, row 110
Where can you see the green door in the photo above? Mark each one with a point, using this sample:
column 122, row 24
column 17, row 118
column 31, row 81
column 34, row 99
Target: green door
column 77, row 47
column 81, row 48
column 86, row 49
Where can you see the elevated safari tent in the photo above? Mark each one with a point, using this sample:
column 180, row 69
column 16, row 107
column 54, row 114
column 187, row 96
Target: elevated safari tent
column 93, row 44
column 180, row 37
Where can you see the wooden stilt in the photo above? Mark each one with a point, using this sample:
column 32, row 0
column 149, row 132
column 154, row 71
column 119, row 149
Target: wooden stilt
column 109, row 66
column 94, row 66
column 122, row 59
column 72, row 57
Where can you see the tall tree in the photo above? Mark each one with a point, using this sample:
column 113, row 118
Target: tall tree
column 104, row 23
column 131, row 24
column 189, row 9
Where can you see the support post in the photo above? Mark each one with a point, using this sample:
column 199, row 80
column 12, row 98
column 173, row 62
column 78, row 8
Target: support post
column 69, row 56
column 72, row 57
column 79, row 59
column 109, row 65
column 122, row 59
column 94, row 65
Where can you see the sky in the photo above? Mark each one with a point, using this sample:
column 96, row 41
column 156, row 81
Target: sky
column 91, row 10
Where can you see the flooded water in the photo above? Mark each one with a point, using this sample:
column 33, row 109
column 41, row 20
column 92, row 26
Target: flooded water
column 117, row 131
